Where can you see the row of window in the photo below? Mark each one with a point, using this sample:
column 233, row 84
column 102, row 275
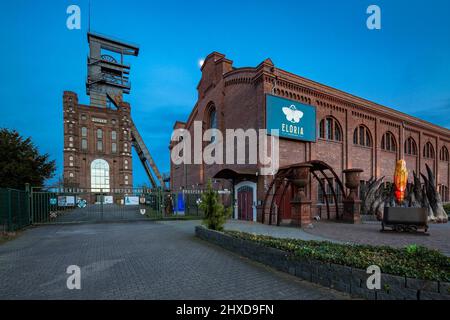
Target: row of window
column 71, row 163
column 329, row 129
column 100, row 136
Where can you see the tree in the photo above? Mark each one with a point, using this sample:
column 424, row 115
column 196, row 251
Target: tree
column 215, row 213
column 21, row 162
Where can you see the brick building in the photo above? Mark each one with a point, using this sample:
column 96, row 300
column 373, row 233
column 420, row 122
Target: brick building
column 97, row 145
column 350, row 133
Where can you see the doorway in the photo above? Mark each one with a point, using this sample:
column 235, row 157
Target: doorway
column 245, row 208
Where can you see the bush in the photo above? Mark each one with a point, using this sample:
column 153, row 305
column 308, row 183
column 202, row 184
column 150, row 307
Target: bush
column 214, row 212
column 447, row 208
column 413, row 261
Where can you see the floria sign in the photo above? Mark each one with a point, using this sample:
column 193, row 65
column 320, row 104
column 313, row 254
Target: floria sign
column 293, row 120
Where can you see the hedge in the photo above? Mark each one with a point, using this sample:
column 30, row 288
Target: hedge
column 412, row 261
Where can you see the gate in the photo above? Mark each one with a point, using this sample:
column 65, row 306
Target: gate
column 68, row 205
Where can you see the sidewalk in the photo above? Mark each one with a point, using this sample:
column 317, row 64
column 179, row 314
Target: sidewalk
column 273, row 231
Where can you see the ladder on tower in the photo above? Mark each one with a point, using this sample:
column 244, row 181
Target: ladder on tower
column 145, row 157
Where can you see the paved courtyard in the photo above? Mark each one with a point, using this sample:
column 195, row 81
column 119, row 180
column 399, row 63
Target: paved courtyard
column 369, row 233
column 138, row 260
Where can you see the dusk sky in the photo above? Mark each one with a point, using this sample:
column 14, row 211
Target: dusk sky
column 405, row 65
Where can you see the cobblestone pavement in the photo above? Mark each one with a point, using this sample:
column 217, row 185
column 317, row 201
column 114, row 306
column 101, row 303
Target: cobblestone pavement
column 369, row 233
column 138, row 260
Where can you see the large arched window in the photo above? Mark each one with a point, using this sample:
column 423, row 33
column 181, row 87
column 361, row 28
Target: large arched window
column 99, row 175
column 362, row 137
column 330, row 129
column 443, row 154
column 388, row 142
column 428, row 151
column 410, row 147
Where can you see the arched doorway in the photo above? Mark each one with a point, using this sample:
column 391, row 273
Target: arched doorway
column 245, row 208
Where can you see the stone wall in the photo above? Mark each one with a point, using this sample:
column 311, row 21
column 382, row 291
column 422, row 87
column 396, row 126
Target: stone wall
column 338, row 277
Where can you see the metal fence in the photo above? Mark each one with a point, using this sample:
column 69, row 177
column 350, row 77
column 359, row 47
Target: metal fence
column 19, row 209
column 66, row 205
column 14, row 210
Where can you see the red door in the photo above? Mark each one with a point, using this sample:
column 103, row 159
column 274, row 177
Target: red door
column 245, row 203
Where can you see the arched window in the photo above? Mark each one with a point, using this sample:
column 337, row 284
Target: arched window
column 410, row 147
column 99, row 175
column 388, row 142
column 330, row 129
column 212, row 121
column 443, row 191
column 428, row 151
column 443, row 154
column 362, row 137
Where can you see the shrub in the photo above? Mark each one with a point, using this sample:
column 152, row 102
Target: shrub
column 214, row 212
column 413, row 261
column 447, row 208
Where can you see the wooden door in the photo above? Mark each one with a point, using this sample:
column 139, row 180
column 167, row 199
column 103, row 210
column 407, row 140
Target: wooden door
column 245, row 203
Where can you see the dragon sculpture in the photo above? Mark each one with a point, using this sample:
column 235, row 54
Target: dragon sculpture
column 376, row 195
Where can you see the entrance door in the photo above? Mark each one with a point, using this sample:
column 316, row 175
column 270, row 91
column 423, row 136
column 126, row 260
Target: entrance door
column 245, row 203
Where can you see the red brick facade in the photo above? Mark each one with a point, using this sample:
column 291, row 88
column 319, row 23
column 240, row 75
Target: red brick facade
column 78, row 158
column 238, row 97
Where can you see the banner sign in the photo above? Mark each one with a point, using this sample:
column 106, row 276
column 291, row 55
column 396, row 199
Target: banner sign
column 293, row 120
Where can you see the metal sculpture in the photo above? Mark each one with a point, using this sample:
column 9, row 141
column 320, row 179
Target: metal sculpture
column 277, row 189
column 400, row 181
column 377, row 195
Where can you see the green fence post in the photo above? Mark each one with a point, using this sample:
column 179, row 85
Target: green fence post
column 160, row 203
column 28, row 202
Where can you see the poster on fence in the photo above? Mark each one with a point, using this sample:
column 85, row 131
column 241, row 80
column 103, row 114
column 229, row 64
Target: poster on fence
column 66, row 201
column 108, row 200
column 131, row 201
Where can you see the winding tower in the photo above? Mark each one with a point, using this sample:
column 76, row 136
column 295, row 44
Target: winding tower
column 98, row 137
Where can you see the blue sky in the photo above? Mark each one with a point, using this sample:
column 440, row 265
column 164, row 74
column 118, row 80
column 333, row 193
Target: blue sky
column 405, row 65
